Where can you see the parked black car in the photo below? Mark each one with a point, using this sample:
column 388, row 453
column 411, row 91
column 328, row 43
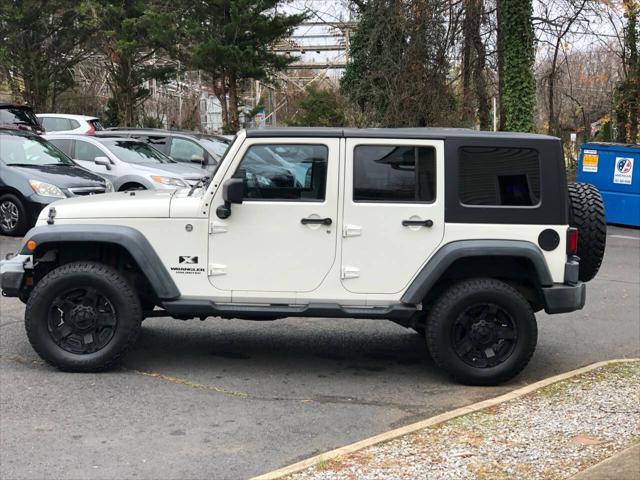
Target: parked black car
column 33, row 174
column 182, row 146
column 20, row 117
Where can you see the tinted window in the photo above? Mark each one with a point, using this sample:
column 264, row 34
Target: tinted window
column 62, row 144
column 55, row 124
column 19, row 150
column 390, row 173
column 135, row 152
column 87, row 151
column 285, row 172
column 499, row 176
column 184, row 150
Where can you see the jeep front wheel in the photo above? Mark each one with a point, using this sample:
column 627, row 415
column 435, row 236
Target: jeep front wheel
column 481, row 331
column 83, row 317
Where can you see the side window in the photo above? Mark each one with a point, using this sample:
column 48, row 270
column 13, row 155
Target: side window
column 55, row 124
column 63, row 144
column 285, row 172
column 74, row 124
column 87, row 151
column 184, row 150
column 394, row 173
column 499, row 176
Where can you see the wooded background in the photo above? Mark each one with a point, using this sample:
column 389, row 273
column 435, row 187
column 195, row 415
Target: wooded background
column 555, row 66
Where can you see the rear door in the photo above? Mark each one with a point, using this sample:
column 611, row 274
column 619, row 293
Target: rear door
column 393, row 212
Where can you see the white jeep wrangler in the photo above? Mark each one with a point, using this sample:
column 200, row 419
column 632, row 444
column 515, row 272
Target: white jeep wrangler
column 460, row 235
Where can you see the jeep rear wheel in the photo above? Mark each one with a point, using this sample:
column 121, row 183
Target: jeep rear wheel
column 83, row 317
column 482, row 332
column 587, row 215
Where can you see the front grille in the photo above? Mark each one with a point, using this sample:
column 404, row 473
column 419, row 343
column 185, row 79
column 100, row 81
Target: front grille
column 77, row 191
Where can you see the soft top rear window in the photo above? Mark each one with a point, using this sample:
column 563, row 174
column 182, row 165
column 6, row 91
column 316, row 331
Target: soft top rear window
column 499, row 176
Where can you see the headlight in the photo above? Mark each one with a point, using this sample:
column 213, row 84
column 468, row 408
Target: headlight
column 46, row 189
column 108, row 186
column 173, row 182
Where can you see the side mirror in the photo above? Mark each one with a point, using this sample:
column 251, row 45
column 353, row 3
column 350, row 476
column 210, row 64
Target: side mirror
column 104, row 161
column 197, row 159
column 232, row 192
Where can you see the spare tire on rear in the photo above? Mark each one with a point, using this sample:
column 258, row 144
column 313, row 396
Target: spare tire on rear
column 587, row 215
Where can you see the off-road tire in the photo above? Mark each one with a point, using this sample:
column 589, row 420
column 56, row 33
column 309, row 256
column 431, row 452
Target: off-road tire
column 587, row 215
column 109, row 283
column 22, row 225
column 453, row 302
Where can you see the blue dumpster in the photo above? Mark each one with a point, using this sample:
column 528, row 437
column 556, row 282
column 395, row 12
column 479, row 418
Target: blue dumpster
column 615, row 170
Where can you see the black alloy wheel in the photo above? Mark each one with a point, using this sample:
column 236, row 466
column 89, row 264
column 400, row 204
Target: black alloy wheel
column 82, row 321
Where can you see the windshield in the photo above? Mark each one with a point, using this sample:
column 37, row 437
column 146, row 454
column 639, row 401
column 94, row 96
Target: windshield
column 132, row 151
column 19, row 116
column 19, row 150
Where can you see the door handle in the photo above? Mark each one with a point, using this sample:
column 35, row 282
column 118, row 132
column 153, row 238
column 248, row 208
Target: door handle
column 417, row 223
column 316, row 221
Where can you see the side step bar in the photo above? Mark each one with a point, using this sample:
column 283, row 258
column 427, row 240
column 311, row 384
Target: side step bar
column 184, row 308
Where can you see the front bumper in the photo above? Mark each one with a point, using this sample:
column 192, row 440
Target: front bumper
column 12, row 273
column 563, row 298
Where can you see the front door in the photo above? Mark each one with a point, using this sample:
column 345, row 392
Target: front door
column 282, row 238
column 393, row 212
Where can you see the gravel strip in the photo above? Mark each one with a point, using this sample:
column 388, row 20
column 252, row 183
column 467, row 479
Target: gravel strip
column 552, row 433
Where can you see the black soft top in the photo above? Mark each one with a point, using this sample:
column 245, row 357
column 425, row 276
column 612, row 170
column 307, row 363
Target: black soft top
column 408, row 133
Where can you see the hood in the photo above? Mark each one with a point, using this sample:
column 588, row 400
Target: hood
column 182, row 170
column 62, row 176
column 138, row 204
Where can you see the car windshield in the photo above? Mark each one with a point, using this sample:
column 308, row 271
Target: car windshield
column 19, row 116
column 215, row 147
column 132, row 151
column 19, row 150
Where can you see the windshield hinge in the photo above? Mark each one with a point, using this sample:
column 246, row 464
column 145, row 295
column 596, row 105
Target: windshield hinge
column 349, row 272
column 216, row 269
column 52, row 216
column 351, row 231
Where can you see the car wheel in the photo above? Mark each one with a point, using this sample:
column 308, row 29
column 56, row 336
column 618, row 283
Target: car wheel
column 13, row 216
column 481, row 331
column 83, row 317
column 131, row 187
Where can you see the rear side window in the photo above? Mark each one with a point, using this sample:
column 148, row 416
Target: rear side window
column 394, row 173
column 64, row 145
column 157, row 142
column 285, row 172
column 56, row 124
column 499, row 176
column 74, row 124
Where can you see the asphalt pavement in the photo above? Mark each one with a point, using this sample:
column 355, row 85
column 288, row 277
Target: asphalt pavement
column 227, row 399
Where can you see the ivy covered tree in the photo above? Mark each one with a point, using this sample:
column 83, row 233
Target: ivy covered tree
column 515, row 65
column 42, row 40
column 135, row 38
column 397, row 73
column 230, row 40
column 320, row 108
column 628, row 91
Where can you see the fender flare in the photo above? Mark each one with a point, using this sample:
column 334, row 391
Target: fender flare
column 451, row 252
column 128, row 238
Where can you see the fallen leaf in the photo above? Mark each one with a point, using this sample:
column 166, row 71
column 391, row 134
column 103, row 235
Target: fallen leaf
column 586, row 440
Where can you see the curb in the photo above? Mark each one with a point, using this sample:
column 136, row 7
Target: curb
column 593, row 470
column 391, row 434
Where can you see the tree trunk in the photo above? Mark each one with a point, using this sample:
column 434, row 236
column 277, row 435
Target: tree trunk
column 234, row 121
column 467, row 28
column 500, row 52
column 480, row 83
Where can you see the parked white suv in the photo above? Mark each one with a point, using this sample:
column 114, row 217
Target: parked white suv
column 460, row 235
column 65, row 123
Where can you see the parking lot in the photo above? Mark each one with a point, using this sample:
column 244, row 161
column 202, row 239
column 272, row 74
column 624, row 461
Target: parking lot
column 231, row 399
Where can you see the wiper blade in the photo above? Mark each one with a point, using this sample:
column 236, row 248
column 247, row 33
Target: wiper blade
column 200, row 183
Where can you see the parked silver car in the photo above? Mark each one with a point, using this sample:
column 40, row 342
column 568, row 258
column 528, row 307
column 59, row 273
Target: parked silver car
column 130, row 164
